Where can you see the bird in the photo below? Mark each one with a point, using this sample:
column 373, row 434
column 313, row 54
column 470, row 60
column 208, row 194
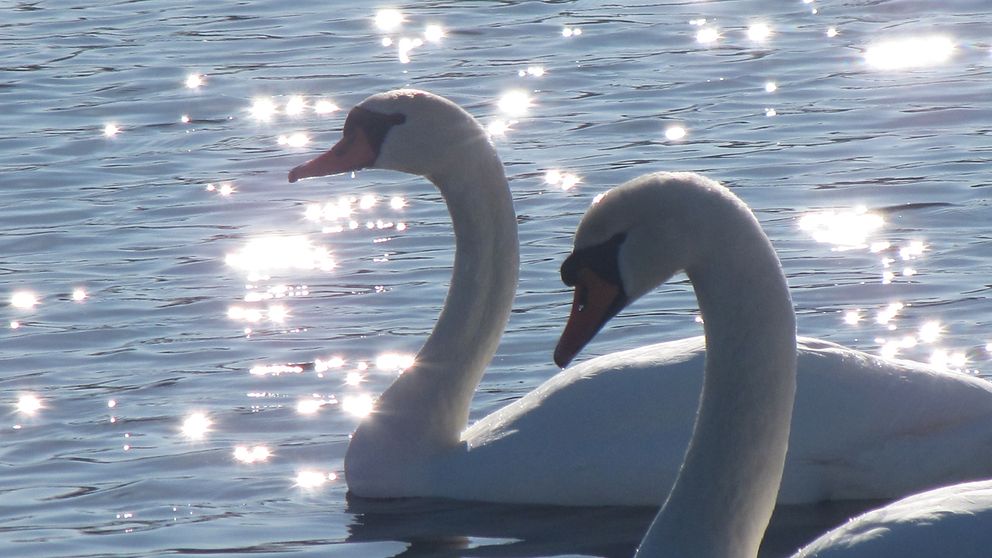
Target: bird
column 610, row 430
column 638, row 236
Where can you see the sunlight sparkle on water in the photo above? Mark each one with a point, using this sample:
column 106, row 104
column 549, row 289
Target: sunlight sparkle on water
column 843, row 229
column 78, row 294
column 434, row 33
column 930, row 331
column 262, row 109
column 397, row 202
column 111, row 130
column 675, row 133
column 771, row 87
column 564, row 180
column 571, row 32
column 324, row 106
column 909, row 52
column 295, row 105
column 852, row 317
column 280, row 253
column 394, row 361
column 388, row 19
column 195, row 426
column 359, row 406
column 707, row 35
column 299, row 139
column 275, row 369
column 321, row 365
column 889, row 313
column 498, row 128
column 194, row 81
column 759, row 32
column 28, row 404
column 311, row 479
column 309, row 406
column 514, row 103
column 535, row 71
column 25, row 300
column 832, row 32
column 254, row 454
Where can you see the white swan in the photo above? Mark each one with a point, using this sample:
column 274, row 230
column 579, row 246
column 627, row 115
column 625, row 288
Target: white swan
column 638, row 236
column 611, row 430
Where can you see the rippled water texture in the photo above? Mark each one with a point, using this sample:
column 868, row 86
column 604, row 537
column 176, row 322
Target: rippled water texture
column 187, row 340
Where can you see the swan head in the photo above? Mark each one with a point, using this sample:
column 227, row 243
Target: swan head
column 632, row 239
column 404, row 130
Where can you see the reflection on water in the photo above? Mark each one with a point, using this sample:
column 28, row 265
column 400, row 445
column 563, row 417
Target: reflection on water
column 194, row 81
column 844, row 229
column 311, row 479
column 262, row 256
column 24, row 300
column 909, row 52
column 28, row 404
column 196, row 426
column 254, row 454
column 759, row 32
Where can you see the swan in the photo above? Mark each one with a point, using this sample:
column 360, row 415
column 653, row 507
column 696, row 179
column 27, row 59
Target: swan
column 640, row 234
column 611, row 430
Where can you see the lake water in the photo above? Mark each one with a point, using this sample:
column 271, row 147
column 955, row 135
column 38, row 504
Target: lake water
column 160, row 279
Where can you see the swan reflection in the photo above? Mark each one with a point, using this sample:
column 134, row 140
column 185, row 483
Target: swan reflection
column 909, row 52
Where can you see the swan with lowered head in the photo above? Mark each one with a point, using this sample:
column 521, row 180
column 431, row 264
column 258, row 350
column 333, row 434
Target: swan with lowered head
column 636, row 237
column 611, row 430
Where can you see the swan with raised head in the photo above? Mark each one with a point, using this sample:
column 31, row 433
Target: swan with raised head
column 636, row 237
column 611, row 430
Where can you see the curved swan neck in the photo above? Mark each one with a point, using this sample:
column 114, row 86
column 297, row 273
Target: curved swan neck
column 427, row 407
column 725, row 492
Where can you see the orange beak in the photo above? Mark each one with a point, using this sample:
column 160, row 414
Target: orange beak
column 596, row 300
column 351, row 153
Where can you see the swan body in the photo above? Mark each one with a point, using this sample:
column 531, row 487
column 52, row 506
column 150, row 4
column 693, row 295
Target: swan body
column 702, row 515
column 611, row 430
column 950, row 521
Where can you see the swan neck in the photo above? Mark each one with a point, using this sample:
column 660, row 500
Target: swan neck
column 426, row 408
column 726, row 490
